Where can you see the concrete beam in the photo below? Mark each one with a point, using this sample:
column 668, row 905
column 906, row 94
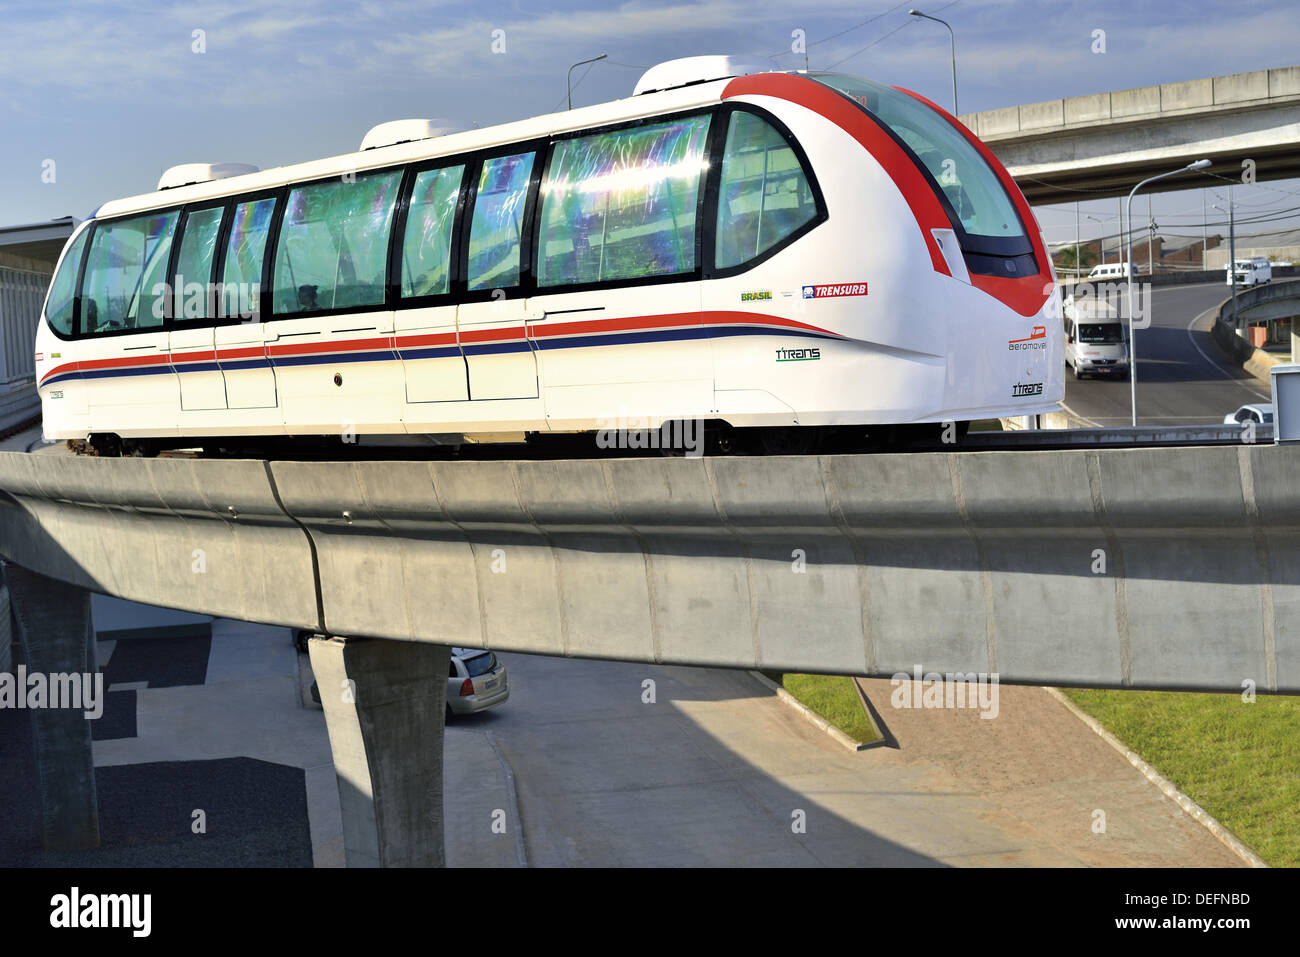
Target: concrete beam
column 1275, row 300
column 384, row 707
column 200, row 535
column 853, row 564
column 1100, row 144
column 58, row 638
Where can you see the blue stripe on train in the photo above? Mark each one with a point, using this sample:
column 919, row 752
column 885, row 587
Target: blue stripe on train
column 485, row 349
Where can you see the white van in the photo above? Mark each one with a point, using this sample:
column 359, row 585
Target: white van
column 1251, row 272
column 1114, row 271
column 1095, row 343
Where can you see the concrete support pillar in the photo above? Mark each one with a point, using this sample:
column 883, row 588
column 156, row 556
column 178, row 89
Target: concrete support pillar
column 58, row 638
column 384, row 707
column 6, row 631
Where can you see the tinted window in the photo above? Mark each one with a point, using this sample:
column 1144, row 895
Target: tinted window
column 496, row 230
column 622, row 205
column 241, row 278
column 480, row 664
column 1102, row 333
column 970, row 184
column 333, row 246
column 63, row 291
column 125, row 274
column 426, row 245
column 764, row 195
column 194, row 263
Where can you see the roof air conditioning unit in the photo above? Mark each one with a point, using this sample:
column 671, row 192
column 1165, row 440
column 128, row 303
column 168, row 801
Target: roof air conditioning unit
column 187, row 174
column 406, row 131
column 697, row 69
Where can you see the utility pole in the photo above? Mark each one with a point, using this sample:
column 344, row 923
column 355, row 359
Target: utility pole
column 1232, row 258
column 1119, row 225
column 1078, row 266
column 1205, row 236
column 1151, row 239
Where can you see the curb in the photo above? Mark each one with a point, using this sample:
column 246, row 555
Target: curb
column 521, row 850
column 1188, row 806
column 812, row 716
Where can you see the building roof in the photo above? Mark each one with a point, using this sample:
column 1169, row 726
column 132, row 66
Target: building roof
column 40, row 241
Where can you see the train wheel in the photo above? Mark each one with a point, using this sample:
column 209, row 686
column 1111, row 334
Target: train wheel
column 105, row 445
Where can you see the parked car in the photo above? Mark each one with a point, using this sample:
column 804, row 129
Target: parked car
column 476, row 681
column 1261, row 413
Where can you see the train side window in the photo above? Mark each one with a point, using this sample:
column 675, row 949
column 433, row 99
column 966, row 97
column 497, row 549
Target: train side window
column 241, row 277
column 426, row 245
column 496, row 229
column 764, row 196
column 125, row 274
column 333, row 247
column 63, row 291
column 622, row 205
column 194, row 263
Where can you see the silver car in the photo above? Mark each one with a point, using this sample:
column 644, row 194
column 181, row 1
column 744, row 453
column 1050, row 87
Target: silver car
column 1261, row 413
column 476, row 680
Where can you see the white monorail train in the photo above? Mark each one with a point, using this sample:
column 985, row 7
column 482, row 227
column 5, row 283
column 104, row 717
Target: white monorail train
column 771, row 250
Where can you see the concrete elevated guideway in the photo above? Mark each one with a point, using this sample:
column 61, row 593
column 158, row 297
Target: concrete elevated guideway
column 1101, row 144
column 1169, row 568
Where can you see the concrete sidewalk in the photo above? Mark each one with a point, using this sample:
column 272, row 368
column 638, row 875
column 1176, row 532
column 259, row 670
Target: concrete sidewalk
column 718, row 771
column 1044, row 773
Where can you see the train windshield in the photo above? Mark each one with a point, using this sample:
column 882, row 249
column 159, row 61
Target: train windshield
column 972, row 188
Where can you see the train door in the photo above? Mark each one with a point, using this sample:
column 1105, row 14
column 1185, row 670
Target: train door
column 123, row 361
column 240, row 343
column 191, row 336
column 434, row 369
column 493, row 320
column 330, row 331
column 617, row 323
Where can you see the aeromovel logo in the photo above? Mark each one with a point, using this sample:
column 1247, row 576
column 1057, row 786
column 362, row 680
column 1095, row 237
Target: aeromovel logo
column 1037, row 341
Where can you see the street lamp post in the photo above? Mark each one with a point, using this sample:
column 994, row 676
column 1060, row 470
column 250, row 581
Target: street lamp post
column 1128, row 278
column 952, row 40
column 1101, row 237
column 568, row 80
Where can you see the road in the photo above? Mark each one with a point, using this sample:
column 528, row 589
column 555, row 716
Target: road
column 1182, row 377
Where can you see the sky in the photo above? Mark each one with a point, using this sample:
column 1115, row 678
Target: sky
column 101, row 97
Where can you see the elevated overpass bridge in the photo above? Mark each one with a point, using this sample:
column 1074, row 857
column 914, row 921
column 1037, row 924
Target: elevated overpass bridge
column 1100, row 145
column 1163, row 568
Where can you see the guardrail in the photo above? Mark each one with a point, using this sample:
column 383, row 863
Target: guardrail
column 1254, row 360
column 1144, row 568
